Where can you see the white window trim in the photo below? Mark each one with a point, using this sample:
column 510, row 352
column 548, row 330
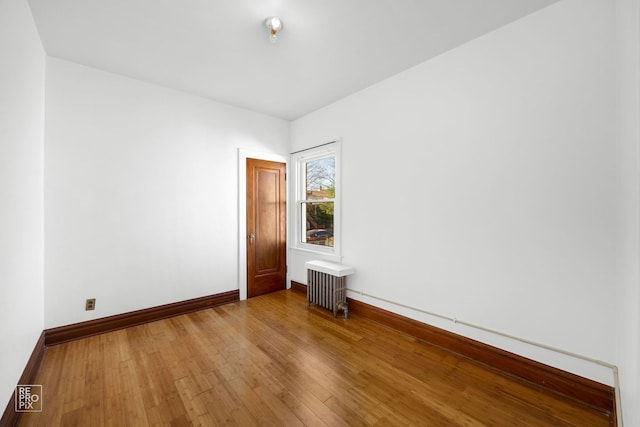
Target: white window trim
column 298, row 193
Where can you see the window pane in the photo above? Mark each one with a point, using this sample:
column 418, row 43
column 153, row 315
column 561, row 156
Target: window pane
column 320, row 179
column 319, row 223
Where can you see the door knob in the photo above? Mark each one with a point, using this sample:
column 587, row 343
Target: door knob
column 251, row 237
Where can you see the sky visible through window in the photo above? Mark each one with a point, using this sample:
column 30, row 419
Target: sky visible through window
column 321, row 175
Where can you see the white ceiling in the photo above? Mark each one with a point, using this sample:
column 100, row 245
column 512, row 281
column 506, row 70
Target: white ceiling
column 220, row 49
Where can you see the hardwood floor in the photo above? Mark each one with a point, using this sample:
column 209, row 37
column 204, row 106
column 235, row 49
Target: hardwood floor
column 271, row 361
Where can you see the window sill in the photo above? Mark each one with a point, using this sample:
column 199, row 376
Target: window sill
column 328, row 256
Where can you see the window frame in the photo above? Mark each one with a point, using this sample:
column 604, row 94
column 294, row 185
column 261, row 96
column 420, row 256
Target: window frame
column 299, row 159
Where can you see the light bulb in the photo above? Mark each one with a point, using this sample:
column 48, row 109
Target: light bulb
column 274, row 24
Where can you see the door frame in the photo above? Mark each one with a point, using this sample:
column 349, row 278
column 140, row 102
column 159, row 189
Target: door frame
column 243, row 155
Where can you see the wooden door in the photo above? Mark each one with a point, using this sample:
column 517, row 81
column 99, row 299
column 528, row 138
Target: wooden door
column 266, row 227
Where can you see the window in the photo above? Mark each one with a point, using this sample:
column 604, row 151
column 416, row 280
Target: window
column 316, row 198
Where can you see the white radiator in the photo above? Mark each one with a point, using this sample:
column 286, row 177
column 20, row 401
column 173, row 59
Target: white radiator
column 327, row 286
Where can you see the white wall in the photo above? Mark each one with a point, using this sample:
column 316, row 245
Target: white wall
column 141, row 192
column 628, row 126
column 480, row 185
column 21, row 191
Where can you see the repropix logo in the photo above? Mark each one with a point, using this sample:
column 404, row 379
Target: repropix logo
column 29, row 398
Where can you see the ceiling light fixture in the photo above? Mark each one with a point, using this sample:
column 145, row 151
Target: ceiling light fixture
column 274, row 24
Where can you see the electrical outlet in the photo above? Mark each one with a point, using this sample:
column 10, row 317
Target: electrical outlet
column 90, row 304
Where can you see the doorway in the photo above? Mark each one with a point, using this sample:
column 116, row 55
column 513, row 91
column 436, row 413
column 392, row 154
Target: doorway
column 266, row 244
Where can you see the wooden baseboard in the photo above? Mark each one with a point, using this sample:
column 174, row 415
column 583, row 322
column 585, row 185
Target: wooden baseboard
column 80, row 330
column 10, row 417
column 556, row 380
column 298, row 287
